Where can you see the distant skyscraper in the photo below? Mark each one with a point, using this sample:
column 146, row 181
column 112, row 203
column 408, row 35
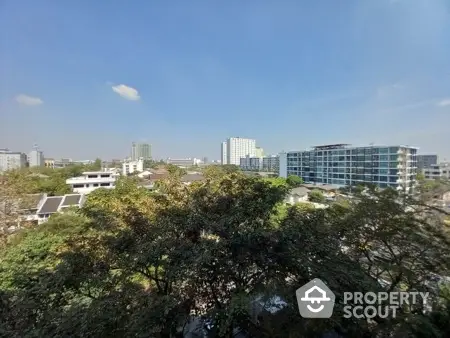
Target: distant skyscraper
column 205, row 160
column 223, row 157
column 36, row 157
column 141, row 150
column 238, row 148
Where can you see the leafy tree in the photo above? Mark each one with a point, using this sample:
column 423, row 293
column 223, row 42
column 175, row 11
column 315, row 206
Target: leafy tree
column 277, row 181
column 175, row 170
column 230, row 168
column 142, row 263
column 294, row 181
column 316, row 196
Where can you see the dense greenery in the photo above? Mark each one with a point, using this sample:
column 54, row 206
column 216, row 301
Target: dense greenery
column 294, row 181
column 316, row 196
column 133, row 263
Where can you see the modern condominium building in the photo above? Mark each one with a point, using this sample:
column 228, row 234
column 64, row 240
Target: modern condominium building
column 238, row 147
column 141, row 150
column 343, row 165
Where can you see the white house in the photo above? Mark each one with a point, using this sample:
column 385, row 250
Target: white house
column 53, row 204
column 129, row 167
column 92, row 180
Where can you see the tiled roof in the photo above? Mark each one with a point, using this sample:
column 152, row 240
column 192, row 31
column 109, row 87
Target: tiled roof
column 71, row 200
column 30, row 201
column 51, row 205
column 55, row 203
column 300, row 191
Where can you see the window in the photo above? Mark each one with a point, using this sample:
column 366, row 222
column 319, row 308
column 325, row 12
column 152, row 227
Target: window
column 104, row 184
column 78, row 185
column 92, row 176
column 104, row 176
column 95, row 184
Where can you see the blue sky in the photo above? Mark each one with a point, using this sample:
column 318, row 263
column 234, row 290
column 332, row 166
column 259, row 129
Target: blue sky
column 85, row 78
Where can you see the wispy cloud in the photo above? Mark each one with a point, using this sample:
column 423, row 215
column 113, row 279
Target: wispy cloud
column 388, row 90
column 28, row 100
column 444, row 102
column 126, row 92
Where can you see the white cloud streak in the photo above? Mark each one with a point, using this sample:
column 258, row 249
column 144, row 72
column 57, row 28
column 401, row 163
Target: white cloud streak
column 444, row 103
column 126, row 92
column 28, row 100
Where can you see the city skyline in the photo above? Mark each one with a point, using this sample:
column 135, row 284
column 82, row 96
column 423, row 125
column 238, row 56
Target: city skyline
column 85, row 80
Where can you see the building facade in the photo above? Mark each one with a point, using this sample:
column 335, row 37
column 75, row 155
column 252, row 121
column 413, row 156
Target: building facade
column 184, row 162
column 426, row 161
column 437, row 171
column 10, row 160
column 343, row 165
column 254, row 163
column 223, row 153
column 92, row 180
column 271, row 163
column 129, row 167
column 36, row 157
column 141, row 150
column 238, row 147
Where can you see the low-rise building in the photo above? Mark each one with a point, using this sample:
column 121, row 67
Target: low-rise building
column 91, row 180
column 437, row 171
column 54, row 204
column 184, row 162
column 129, row 167
column 10, row 160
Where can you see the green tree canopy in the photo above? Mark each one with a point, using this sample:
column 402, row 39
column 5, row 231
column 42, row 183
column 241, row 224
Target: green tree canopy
column 316, row 196
column 294, row 181
column 135, row 263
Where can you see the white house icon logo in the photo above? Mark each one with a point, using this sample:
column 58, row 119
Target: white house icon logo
column 315, row 300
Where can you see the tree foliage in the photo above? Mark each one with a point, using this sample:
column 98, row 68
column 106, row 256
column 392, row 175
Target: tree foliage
column 316, row 196
column 204, row 257
column 294, row 181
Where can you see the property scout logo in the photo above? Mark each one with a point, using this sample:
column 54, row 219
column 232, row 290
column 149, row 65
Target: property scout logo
column 316, row 300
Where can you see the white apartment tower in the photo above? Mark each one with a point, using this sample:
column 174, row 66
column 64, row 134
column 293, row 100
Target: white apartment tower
column 224, row 153
column 36, row 157
column 238, row 148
